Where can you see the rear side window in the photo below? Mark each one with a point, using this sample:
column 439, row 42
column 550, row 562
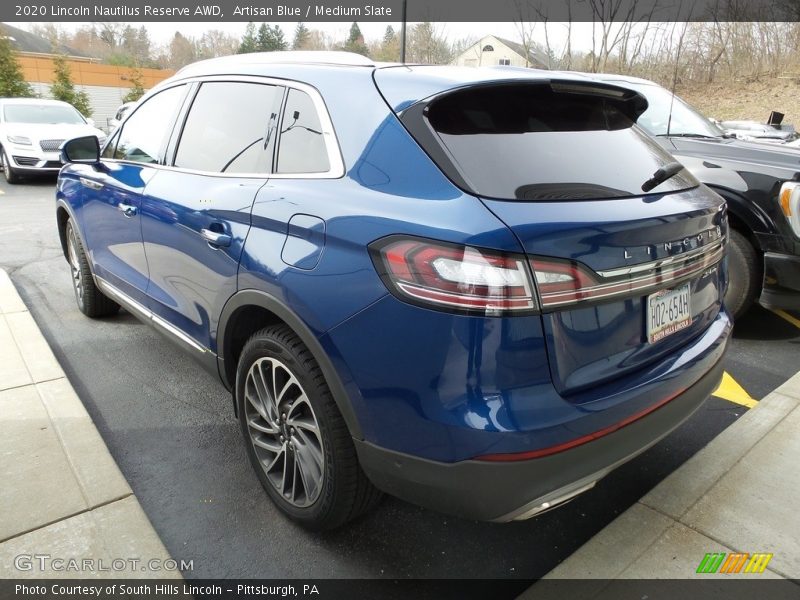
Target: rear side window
column 547, row 141
column 228, row 129
column 143, row 135
column 302, row 145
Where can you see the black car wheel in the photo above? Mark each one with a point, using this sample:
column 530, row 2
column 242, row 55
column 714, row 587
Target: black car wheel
column 11, row 175
column 744, row 275
column 91, row 301
column 296, row 439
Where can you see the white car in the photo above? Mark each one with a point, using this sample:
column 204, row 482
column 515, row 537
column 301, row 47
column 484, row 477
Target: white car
column 31, row 131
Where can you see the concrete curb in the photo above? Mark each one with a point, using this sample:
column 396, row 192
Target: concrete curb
column 63, row 495
column 736, row 495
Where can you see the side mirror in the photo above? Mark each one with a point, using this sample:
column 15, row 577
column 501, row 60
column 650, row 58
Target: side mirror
column 85, row 150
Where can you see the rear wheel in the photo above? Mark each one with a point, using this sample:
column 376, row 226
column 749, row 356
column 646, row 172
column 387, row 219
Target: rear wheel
column 296, row 439
column 743, row 274
column 11, row 175
column 91, row 301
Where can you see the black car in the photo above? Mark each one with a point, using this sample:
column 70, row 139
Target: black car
column 760, row 182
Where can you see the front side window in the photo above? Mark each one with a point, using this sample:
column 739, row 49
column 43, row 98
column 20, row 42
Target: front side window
column 302, row 146
column 145, row 133
column 229, row 128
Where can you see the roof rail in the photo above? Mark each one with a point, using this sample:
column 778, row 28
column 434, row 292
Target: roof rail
column 308, row 57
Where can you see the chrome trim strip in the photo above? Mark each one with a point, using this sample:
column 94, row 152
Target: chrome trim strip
column 637, row 284
column 657, row 264
column 135, row 306
column 177, row 333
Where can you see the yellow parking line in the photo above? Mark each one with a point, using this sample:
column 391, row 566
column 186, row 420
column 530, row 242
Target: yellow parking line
column 732, row 392
column 784, row 315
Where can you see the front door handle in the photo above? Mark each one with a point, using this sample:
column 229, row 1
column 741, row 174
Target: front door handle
column 214, row 238
column 129, row 210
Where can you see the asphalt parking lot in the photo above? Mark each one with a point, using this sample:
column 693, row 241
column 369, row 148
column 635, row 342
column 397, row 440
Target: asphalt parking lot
column 170, row 428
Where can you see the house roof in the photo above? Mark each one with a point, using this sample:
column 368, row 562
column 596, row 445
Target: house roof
column 534, row 54
column 25, row 41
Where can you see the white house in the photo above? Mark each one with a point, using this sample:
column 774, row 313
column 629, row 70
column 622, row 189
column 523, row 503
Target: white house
column 492, row 50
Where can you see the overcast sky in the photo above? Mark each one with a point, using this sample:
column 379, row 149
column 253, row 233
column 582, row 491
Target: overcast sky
column 161, row 33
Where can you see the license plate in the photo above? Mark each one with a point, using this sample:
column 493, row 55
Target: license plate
column 668, row 311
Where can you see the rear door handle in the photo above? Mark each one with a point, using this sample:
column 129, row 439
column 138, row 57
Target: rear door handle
column 129, row 210
column 215, row 238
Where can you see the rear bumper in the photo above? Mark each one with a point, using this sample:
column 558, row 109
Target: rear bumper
column 505, row 491
column 781, row 281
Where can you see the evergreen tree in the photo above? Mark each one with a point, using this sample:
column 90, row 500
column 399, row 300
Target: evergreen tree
column 302, row 37
column 355, row 41
column 271, row 38
column 137, row 91
column 278, row 41
column 12, row 83
column 389, row 49
column 264, row 38
column 63, row 89
column 249, row 41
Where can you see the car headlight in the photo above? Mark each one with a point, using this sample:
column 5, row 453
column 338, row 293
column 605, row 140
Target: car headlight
column 19, row 139
column 789, row 200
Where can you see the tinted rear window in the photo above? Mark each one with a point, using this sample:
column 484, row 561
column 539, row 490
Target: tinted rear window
column 543, row 142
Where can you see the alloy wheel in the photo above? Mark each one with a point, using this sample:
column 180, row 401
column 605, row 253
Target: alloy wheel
column 284, row 432
column 74, row 265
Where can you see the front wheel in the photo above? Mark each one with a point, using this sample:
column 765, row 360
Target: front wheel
column 296, row 439
column 11, row 175
column 91, row 301
column 744, row 271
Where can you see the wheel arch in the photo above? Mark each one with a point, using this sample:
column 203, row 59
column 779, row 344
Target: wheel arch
column 248, row 311
column 745, row 216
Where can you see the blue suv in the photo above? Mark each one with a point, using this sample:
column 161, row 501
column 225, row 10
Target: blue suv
column 479, row 290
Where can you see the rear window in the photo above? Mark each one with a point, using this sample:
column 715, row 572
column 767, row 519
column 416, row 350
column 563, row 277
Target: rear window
column 548, row 142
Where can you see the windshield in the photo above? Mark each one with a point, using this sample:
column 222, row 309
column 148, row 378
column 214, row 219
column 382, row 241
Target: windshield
column 42, row 114
column 685, row 119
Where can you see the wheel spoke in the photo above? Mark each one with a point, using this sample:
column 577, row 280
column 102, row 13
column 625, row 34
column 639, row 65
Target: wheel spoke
column 268, row 428
column 281, row 454
column 279, row 398
column 272, row 445
column 309, row 461
column 255, row 402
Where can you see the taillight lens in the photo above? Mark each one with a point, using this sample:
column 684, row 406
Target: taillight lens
column 458, row 278
column 789, row 200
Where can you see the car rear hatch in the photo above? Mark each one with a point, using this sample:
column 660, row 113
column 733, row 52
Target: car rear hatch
column 624, row 276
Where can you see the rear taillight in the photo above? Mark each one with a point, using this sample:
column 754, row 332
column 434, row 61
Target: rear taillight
column 488, row 282
column 458, row 278
column 789, row 200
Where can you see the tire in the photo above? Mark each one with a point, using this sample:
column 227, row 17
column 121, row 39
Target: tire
column 11, row 175
column 91, row 301
column 744, row 275
column 296, row 439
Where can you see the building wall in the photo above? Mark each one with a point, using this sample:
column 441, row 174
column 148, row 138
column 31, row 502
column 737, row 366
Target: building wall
column 106, row 85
